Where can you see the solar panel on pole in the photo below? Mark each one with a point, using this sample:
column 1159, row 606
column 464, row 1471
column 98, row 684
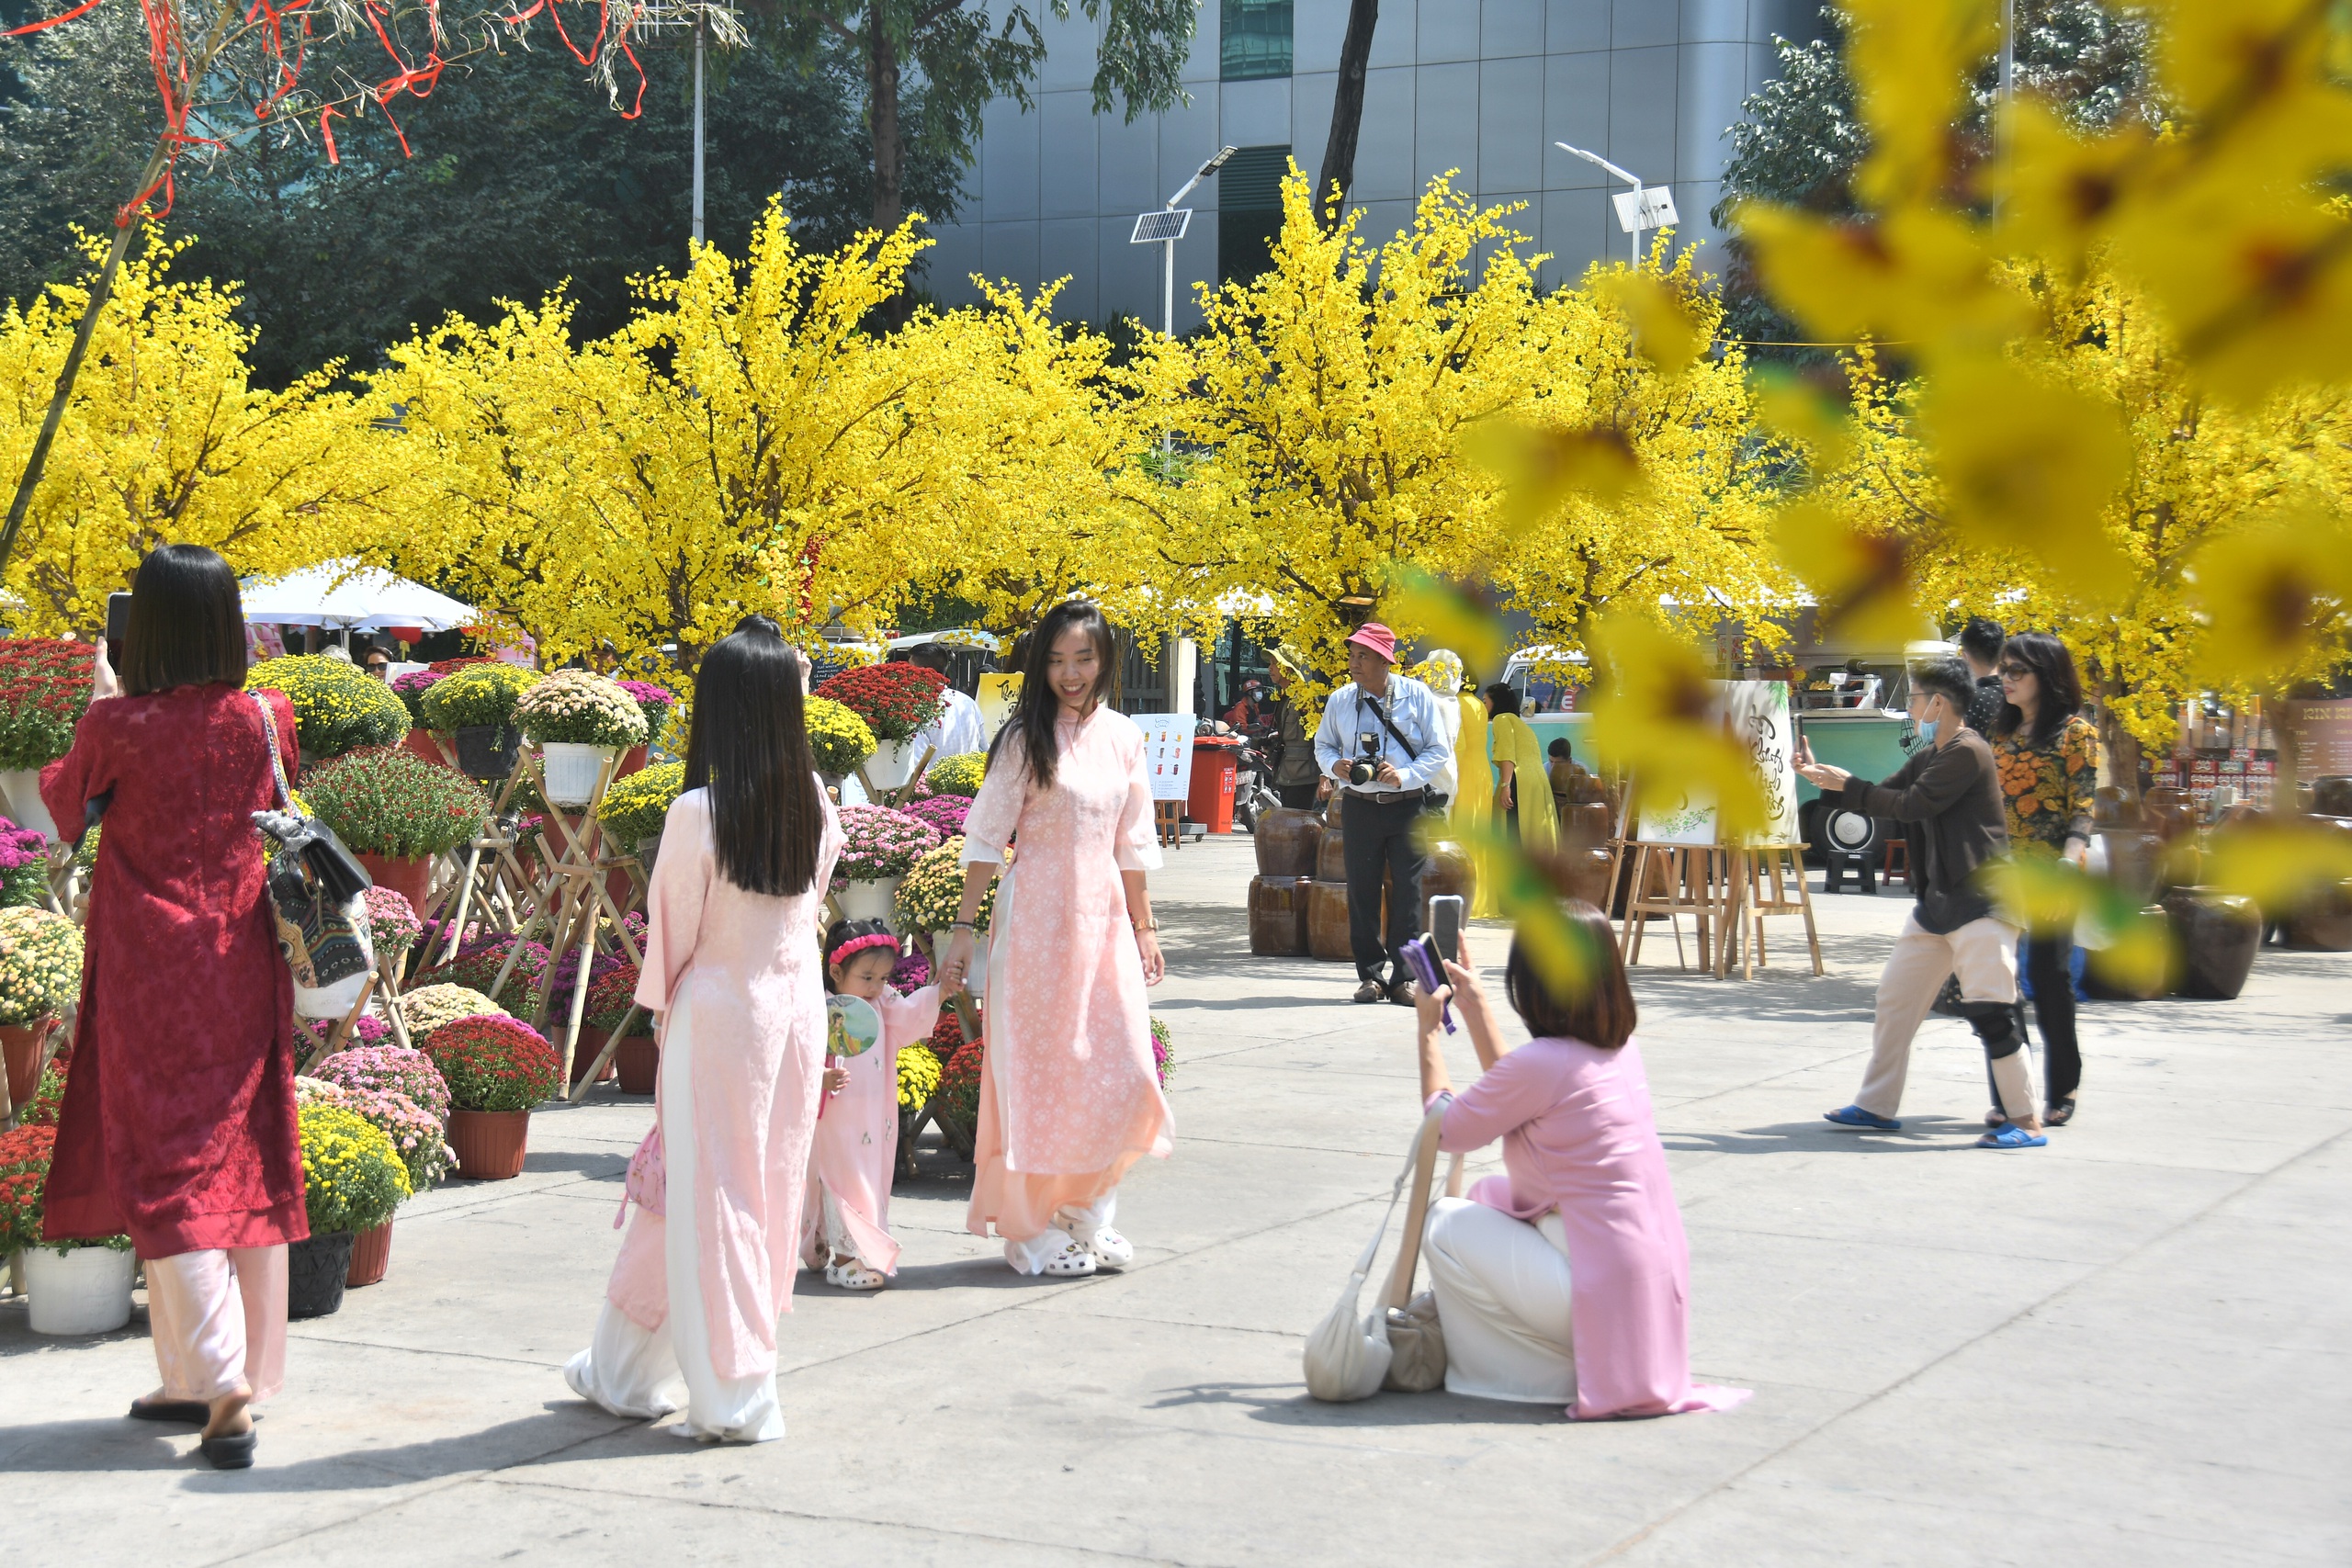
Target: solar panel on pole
column 1156, row 228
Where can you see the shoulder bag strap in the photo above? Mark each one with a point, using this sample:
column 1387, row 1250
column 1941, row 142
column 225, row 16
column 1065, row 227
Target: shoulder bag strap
column 277, row 762
column 1417, row 1213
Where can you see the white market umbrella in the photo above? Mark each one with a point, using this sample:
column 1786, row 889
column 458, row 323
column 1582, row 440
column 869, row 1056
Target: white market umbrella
column 347, row 596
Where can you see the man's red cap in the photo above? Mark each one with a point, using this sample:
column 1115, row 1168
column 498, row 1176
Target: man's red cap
column 1378, row 639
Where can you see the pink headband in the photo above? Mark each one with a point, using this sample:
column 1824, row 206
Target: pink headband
column 858, row 944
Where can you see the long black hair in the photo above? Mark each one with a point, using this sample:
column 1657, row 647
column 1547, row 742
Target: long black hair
column 1037, row 707
column 2062, row 689
column 187, row 622
column 747, row 742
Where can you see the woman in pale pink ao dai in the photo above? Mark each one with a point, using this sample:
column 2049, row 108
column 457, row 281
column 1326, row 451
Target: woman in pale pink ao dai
column 1069, row 1096
column 731, row 971
column 1566, row 1277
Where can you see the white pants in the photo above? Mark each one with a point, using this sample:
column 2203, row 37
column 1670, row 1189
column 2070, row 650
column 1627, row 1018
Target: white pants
column 1502, row 1302
column 632, row 1370
column 219, row 1319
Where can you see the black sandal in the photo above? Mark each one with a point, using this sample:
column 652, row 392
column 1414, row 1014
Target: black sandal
column 230, row 1451
column 195, row 1412
column 2061, row 1111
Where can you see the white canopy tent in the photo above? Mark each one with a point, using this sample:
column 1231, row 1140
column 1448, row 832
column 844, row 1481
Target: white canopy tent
column 346, row 596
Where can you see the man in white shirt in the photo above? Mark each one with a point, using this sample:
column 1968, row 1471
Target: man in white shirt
column 958, row 730
column 1387, row 726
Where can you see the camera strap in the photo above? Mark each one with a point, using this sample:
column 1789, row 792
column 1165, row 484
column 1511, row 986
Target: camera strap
column 1411, row 754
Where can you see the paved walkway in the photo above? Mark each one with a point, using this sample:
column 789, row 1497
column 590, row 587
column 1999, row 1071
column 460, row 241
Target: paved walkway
column 2135, row 1347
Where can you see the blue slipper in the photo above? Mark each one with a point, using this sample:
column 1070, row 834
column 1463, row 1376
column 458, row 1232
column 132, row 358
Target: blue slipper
column 1855, row 1116
column 2009, row 1136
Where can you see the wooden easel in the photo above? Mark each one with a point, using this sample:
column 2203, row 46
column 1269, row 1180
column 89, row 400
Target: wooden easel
column 492, row 880
column 1747, row 901
column 1684, row 878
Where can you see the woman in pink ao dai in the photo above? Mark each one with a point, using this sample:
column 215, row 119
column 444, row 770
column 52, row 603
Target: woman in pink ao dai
column 731, row 971
column 1069, row 1096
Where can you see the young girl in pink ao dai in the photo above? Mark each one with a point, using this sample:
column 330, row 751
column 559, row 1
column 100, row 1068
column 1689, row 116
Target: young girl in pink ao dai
column 846, row 1226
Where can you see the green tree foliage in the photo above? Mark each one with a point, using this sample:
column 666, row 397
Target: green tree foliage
column 965, row 57
column 1798, row 141
column 522, row 177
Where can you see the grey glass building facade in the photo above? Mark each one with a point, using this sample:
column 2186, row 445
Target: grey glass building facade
column 1482, row 86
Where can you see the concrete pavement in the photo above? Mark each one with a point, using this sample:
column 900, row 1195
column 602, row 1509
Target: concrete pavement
column 2135, row 1347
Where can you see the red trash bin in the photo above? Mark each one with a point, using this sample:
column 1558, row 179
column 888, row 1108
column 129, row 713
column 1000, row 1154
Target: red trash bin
column 1210, row 801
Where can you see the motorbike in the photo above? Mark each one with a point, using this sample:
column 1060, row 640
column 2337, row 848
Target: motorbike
column 1253, row 777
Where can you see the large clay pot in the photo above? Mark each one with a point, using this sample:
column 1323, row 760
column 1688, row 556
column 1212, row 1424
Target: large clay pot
column 1278, row 915
column 2110, row 807
column 2331, row 796
column 1331, row 855
column 2323, row 919
column 488, row 1143
column 411, row 876
column 1583, row 874
column 2168, row 813
column 371, row 1254
column 1449, row 869
column 85, row 1290
column 316, row 1270
column 2101, row 985
column 2218, row 934
column 1326, row 922
column 1287, row 840
column 2133, row 859
column 22, row 1044
column 638, row 1063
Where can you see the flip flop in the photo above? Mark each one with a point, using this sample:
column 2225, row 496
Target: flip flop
column 1855, row 1116
column 2009, row 1136
column 194, row 1412
column 229, row 1451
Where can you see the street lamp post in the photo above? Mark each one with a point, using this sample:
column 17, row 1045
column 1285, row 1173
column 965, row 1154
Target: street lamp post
column 1166, row 226
column 1643, row 208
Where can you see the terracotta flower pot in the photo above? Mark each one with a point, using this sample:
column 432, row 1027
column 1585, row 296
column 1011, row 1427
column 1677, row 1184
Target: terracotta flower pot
column 638, row 1063
column 488, row 1143
column 632, row 761
column 316, row 1268
column 371, row 1254
column 411, row 876
column 22, row 1043
column 585, row 1050
column 420, row 744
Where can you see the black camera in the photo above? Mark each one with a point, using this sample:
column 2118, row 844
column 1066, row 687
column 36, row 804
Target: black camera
column 1367, row 768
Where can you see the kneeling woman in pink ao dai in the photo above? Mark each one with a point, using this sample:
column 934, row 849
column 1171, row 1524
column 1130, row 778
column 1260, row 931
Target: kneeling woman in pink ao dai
column 846, row 1228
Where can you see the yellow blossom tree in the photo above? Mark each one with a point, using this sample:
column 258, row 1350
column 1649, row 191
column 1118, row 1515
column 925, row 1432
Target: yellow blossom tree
column 1343, row 398
column 164, row 440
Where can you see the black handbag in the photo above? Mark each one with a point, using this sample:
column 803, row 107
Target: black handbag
column 315, row 892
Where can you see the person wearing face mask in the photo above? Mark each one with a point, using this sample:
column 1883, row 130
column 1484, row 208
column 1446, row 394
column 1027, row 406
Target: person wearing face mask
column 1948, row 797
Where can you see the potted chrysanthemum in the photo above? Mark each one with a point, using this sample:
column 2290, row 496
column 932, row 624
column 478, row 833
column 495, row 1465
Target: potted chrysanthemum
column 879, row 847
column 839, row 741
column 476, row 705
column 40, row 975
column 431, row 1005
column 655, row 702
column 611, row 1002
column 497, row 1068
column 338, row 707
column 635, row 808
column 895, row 700
column 579, row 720
column 77, row 1287
column 931, row 895
column 396, row 813
column 959, row 774
column 360, row 1081
column 353, row 1179
column 44, row 688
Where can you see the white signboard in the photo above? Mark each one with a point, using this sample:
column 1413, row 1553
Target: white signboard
column 1168, row 752
column 1757, row 712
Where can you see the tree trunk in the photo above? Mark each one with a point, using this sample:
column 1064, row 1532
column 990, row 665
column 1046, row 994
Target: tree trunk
column 101, row 293
column 1347, row 116
column 882, row 97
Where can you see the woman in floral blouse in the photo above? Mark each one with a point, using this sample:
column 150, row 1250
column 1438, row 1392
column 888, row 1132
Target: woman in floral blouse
column 2048, row 757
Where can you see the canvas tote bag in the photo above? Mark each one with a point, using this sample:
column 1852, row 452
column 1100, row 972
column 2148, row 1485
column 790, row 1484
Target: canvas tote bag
column 1348, row 1359
column 317, row 895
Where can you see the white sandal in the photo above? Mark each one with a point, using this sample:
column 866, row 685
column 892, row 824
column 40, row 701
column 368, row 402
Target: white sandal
column 854, row 1275
column 1074, row 1261
column 1111, row 1250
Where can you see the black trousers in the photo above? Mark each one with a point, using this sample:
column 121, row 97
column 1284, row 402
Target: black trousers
column 1379, row 837
column 2049, row 969
column 1298, row 797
